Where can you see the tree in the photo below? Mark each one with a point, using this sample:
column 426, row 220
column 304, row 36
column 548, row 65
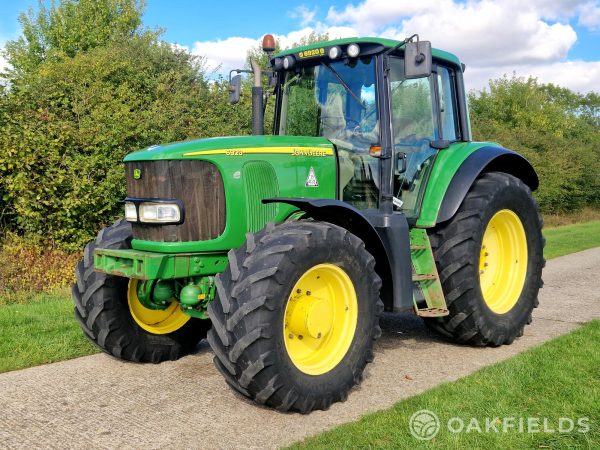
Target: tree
column 555, row 128
column 72, row 111
column 71, row 27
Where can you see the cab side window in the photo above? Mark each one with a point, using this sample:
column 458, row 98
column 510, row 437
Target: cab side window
column 412, row 106
column 447, row 96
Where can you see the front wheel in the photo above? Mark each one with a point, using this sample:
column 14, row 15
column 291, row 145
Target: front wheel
column 490, row 258
column 111, row 315
column 296, row 315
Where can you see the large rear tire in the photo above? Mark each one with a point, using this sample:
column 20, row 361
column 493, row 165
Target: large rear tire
column 490, row 258
column 296, row 315
column 105, row 307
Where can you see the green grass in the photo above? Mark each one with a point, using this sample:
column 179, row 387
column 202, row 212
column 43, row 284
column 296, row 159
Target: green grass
column 39, row 332
column 571, row 238
column 560, row 378
column 40, row 328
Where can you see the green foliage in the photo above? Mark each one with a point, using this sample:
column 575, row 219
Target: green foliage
column 556, row 129
column 25, row 266
column 71, row 27
column 67, row 129
column 302, row 112
column 66, row 124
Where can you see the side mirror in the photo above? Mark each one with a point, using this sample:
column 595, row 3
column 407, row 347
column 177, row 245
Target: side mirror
column 417, row 59
column 273, row 79
column 235, row 88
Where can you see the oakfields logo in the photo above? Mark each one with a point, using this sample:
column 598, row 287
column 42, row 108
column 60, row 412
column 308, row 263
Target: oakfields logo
column 425, row 425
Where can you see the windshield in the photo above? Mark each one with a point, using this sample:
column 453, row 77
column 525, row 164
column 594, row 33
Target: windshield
column 337, row 101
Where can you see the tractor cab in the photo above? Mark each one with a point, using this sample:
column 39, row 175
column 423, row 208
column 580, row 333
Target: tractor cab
column 375, row 106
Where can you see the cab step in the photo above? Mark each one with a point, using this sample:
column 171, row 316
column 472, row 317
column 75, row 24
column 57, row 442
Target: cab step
column 425, row 276
column 432, row 312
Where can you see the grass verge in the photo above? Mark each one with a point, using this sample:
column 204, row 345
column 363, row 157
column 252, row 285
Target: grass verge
column 558, row 379
column 40, row 328
column 39, row 332
column 571, row 238
column 583, row 215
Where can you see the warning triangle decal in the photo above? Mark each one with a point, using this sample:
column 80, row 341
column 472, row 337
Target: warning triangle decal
column 312, row 181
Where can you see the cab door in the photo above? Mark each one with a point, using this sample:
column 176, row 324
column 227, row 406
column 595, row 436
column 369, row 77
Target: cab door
column 424, row 119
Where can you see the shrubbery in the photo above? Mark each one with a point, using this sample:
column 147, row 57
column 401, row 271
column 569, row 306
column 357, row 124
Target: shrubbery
column 27, row 267
column 555, row 128
column 70, row 114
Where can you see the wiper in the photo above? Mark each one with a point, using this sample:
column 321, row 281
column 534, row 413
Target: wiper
column 343, row 83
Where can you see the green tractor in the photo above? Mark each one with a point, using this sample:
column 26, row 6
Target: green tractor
column 284, row 250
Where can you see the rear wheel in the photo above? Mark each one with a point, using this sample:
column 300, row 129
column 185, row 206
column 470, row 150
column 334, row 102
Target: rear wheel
column 296, row 315
column 112, row 316
column 490, row 258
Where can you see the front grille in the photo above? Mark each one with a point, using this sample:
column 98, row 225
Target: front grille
column 198, row 184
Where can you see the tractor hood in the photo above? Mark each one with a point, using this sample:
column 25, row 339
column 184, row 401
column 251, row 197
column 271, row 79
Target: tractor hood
column 235, row 146
column 227, row 202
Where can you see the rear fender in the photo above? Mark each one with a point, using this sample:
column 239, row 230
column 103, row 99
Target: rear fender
column 486, row 159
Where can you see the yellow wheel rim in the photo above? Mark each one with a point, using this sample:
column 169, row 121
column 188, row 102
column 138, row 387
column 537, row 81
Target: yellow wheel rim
column 155, row 321
column 503, row 261
column 320, row 319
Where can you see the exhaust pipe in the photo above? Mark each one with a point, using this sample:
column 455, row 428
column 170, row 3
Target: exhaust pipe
column 258, row 120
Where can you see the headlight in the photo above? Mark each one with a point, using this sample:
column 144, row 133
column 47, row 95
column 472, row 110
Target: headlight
column 130, row 212
column 353, row 50
column 288, row 62
column 160, row 212
column 335, row 52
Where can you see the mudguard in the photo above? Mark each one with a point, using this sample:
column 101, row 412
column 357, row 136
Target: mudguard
column 386, row 237
column 486, row 159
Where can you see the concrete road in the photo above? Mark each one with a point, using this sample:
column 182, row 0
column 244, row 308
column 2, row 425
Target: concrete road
column 100, row 402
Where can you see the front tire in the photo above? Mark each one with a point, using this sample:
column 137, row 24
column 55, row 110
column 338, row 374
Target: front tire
column 296, row 315
column 490, row 258
column 105, row 308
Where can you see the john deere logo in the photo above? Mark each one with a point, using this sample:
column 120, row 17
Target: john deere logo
column 137, row 174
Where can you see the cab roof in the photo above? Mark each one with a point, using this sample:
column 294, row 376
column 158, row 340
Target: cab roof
column 387, row 43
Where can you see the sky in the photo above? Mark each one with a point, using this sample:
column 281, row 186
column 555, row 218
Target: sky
column 557, row 41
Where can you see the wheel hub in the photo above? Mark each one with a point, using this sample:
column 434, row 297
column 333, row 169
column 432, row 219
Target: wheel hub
column 164, row 321
column 310, row 316
column 320, row 319
column 503, row 261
